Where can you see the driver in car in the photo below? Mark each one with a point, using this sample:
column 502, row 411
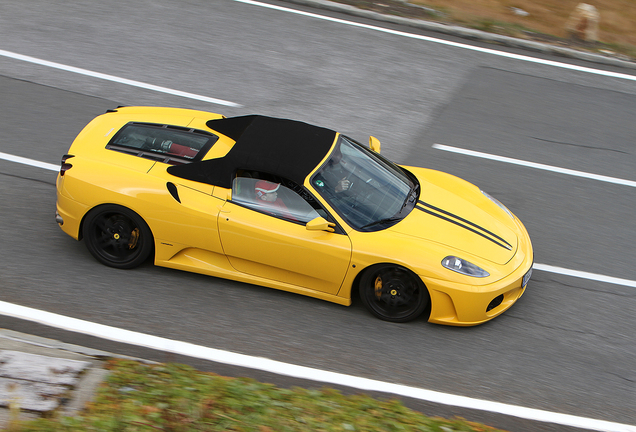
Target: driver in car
column 334, row 175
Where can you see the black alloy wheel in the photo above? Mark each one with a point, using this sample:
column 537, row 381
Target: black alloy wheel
column 117, row 236
column 393, row 293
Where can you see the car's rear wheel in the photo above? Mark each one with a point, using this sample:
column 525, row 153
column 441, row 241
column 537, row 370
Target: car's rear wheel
column 117, row 236
column 393, row 293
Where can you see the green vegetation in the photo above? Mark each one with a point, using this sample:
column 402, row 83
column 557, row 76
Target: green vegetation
column 178, row 398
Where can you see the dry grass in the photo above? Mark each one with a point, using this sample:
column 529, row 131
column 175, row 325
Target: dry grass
column 617, row 22
column 545, row 19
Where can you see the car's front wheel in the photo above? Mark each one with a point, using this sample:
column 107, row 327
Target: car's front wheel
column 393, row 293
column 117, row 236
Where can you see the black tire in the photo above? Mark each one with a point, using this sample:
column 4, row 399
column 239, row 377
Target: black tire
column 117, row 236
column 393, row 293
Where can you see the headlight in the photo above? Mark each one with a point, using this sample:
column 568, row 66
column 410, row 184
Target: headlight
column 496, row 201
column 464, row 267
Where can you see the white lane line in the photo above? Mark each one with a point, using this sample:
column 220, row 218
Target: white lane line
column 116, row 79
column 537, row 266
column 443, row 42
column 559, row 170
column 31, row 162
column 584, row 275
column 277, row 367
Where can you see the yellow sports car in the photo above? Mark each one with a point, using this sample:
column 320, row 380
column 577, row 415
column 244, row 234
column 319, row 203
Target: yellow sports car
column 288, row 205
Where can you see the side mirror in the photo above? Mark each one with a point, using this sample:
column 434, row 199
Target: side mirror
column 320, row 224
column 374, row 144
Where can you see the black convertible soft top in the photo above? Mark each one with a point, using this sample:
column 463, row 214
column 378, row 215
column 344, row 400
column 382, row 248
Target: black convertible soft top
column 287, row 148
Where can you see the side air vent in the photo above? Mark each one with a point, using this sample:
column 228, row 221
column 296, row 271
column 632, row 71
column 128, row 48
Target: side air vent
column 173, row 191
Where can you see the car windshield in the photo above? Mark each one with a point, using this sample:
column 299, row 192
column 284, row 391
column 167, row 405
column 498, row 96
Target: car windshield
column 365, row 189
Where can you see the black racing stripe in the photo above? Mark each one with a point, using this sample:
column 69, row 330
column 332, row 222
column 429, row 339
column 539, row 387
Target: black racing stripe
column 464, row 220
column 464, row 226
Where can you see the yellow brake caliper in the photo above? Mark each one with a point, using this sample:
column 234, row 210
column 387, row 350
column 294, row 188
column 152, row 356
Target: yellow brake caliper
column 378, row 287
column 134, row 238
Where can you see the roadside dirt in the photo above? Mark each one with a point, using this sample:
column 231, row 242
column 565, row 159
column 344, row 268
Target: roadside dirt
column 539, row 20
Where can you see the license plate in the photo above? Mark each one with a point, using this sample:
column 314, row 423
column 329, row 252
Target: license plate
column 526, row 278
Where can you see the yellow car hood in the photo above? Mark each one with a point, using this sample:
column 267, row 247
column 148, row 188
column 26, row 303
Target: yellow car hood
column 454, row 213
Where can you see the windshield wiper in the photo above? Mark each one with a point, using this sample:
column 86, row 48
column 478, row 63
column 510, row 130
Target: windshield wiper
column 412, row 196
column 382, row 221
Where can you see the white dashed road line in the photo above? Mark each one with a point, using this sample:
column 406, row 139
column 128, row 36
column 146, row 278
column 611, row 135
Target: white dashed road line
column 585, row 275
column 31, row 162
column 116, row 79
column 535, row 165
column 537, row 266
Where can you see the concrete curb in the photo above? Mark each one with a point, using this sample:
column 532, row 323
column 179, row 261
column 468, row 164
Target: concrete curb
column 32, row 387
column 467, row 33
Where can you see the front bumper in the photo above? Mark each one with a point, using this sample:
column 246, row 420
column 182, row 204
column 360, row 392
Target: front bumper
column 454, row 304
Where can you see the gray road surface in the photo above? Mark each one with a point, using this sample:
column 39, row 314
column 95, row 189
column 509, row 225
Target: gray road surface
column 567, row 346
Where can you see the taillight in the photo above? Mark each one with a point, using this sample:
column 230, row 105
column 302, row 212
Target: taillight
column 65, row 165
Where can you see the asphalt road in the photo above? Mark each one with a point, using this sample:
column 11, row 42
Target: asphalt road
column 567, row 346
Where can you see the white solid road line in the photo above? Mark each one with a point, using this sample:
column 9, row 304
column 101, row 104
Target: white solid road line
column 443, row 42
column 302, row 372
column 116, row 79
column 535, row 165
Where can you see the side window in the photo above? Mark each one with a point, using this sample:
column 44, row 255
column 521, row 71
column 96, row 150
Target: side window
column 169, row 144
column 273, row 198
